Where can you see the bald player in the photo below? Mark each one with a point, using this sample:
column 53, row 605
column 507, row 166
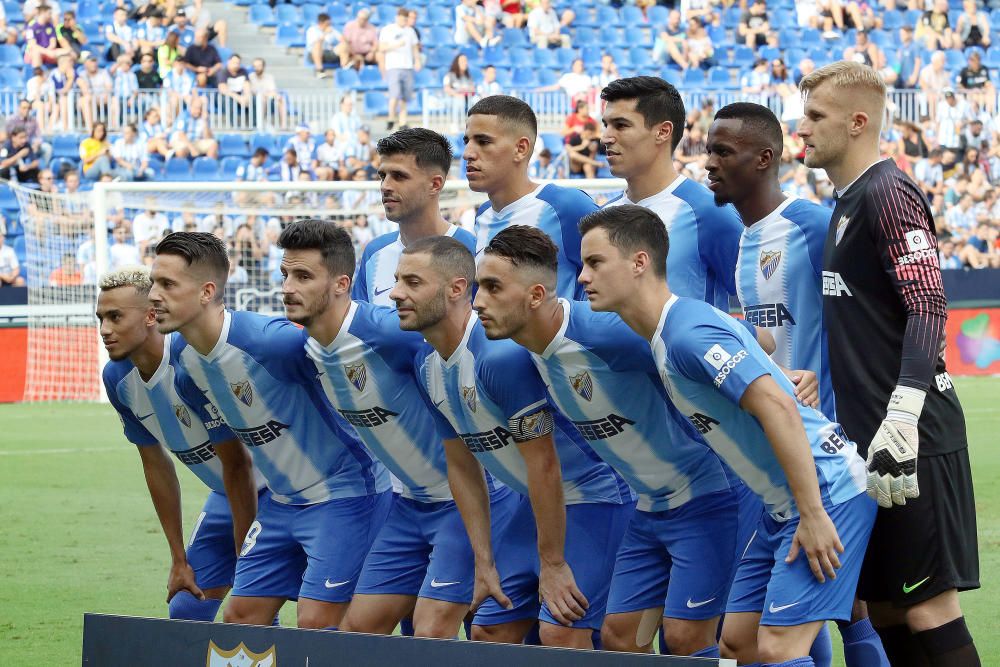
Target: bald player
column 885, row 311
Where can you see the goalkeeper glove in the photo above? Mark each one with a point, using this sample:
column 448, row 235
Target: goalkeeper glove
column 892, row 455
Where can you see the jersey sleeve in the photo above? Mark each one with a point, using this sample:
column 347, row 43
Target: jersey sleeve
column 359, row 290
column 281, row 350
column 713, row 355
column 135, row 432
column 904, row 233
column 444, row 428
column 510, row 378
column 719, row 232
column 397, row 347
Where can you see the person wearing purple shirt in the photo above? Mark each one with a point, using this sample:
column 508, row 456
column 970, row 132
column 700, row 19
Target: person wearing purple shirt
column 42, row 45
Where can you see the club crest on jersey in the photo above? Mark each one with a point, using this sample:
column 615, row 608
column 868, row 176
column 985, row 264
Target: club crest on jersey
column 769, row 260
column 533, row 424
column 181, row 412
column 243, row 391
column 841, row 228
column 357, row 375
column 583, row 385
column 469, row 396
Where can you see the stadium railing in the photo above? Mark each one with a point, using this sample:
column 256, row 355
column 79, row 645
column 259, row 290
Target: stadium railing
column 119, row 641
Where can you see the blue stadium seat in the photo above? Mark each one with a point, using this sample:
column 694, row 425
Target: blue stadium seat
column 511, row 38
column 177, row 169
column 743, row 56
column 371, row 78
column 457, row 143
column 61, row 165
column 288, row 14
column 641, row 57
column 770, row 52
column 892, row 20
column 339, row 14
column 442, row 35
column 265, row 141
column 290, row 36
column 10, row 55
column 954, row 59
column 228, row 168
column 717, row 33
column 425, row 79
column 632, row 16
column 585, row 36
column 548, row 76
column 66, row 145
column 591, row 56
column 731, row 18
column 376, row 103
column 554, row 142
column 521, row 57
column 7, row 197
column 565, row 57
column 718, row 77
column 545, row 58
column 810, row 36
column 610, row 36
column 262, row 16
column 525, row 78
column 11, row 79
column 694, row 77
column 206, row 169
column 347, row 78
column 671, row 76
column 309, row 14
column 233, row 145
column 608, row 15
column 494, row 55
column 623, row 58
column 441, row 15
column 658, row 15
column 992, row 59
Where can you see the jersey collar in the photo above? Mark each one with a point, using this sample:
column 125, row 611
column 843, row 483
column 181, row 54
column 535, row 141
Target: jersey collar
column 155, row 378
column 676, row 183
column 343, row 333
column 220, row 345
column 841, row 193
column 773, row 215
column 663, row 317
column 457, row 354
column 517, row 203
column 558, row 338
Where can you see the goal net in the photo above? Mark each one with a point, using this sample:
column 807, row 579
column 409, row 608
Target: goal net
column 70, row 240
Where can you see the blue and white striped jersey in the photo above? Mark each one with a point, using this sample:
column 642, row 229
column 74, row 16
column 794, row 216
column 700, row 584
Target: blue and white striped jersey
column 556, row 211
column 153, row 414
column 376, row 274
column 489, row 394
column 602, row 376
column 367, row 373
column 779, row 284
column 706, row 361
column 262, row 382
column 704, row 240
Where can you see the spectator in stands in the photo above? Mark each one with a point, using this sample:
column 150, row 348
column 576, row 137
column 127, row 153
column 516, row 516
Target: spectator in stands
column 800, row 185
column 255, row 169
column 30, row 9
column 40, row 91
column 180, row 87
column 41, row 46
column 670, row 41
column 324, row 44
column 203, row 58
column 10, row 267
column 582, row 150
column 575, row 83
column 147, row 75
column 151, row 33
column 974, row 136
column 24, row 118
column 608, row 73
column 18, row 160
column 234, row 82
column 169, row 53
column 577, row 119
column 263, row 85
column 185, row 33
column 360, row 41
column 693, row 146
column 288, row 168
column 934, row 28
column 401, row 52
column 149, row 226
column 237, row 274
column 909, row 59
column 131, row 156
column 95, row 153
column 512, row 13
column 346, row 122
column 358, row 152
column 950, row 117
column 329, row 155
column 754, row 26
column 947, row 257
column 125, row 85
column 304, row 146
column 698, row 49
column 864, row 50
column 933, row 80
column 458, row 87
column 758, row 79
column 473, row 25
column 973, row 26
column 71, row 37
column 974, row 80
column 929, row 173
column 545, row 28
column 544, row 167
column 119, row 36
column 95, row 90
column 192, row 135
column 911, row 143
column 154, row 134
column 8, row 34
column 247, row 250
column 704, row 11
column 489, row 85
column 123, row 252
column 201, row 17
column 961, row 217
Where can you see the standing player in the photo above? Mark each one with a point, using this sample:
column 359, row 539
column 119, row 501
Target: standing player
column 140, row 383
column 329, row 494
column 422, row 556
column 413, row 170
column 643, row 124
column 778, row 278
column 492, row 410
column 885, row 311
column 809, row 478
column 602, row 376
column 499, row 140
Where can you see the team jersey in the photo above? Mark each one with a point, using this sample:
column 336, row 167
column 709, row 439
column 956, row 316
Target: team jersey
column 704, row 240
column 259, row 378
column 706, row 361
column 778, row 281
column 153, row 414
column 885, row 309
column 556, row 211
column 367, row 373
column 601, row 375
column 489, row 394
column 376, row 274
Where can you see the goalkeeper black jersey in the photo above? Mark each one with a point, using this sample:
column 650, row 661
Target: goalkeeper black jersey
column 885, row 309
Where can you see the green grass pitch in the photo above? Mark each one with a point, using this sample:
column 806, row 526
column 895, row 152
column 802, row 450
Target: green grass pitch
column 78, row 532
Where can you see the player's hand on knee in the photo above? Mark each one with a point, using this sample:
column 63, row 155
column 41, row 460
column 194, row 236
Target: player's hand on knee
column 817, row 537
column 487, row 585
column 182, row 579
column 892, row 463
column 557, row 588
column 806, row 387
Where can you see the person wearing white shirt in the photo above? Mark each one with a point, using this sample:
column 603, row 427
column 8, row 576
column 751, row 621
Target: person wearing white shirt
column 120, row 36
column 329, row 154
column 950, row 116
column 123, row 252
column 544, row 27
column 489, row 85
column 263, row 85
column 575, row 83
column 323, row 44
column 131, row 156
column 148, row 226
column 473, row 25
column 400, row 49
column 10, row 268
column 346, row 122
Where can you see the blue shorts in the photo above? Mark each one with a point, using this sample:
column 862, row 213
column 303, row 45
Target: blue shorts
column 789, row 594
column 211, row 551
column 680, row 559
column 311, row 551
column 423, row 550
column 593, row 534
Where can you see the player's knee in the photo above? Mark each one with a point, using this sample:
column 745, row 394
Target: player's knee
column 239, row 611
column 618, row 635
column 502, row 633
column 687, row 637
column 736, row 647
column 436, row 628
column 560, row 635
column 187, row 607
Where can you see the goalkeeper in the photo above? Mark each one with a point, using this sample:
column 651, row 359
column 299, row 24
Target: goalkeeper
column 885, row 310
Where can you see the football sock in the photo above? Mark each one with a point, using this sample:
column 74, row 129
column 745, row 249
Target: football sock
column 468, row 628
column 187, row 607
column 707, row 652
column 797, row 662
column 595, row 637
column 949, row 645
column 821, row 650
column 533, row 638
column 276, row 622
column 406, row 627
column 664, row 649
column 900, row 647
column 862, row 646
column 332, row 627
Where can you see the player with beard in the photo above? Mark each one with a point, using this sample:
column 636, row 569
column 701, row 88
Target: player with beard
column 413, row 169
column 885, row 310
column 140, row 384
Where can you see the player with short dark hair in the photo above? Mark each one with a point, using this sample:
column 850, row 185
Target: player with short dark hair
column 139, row 380
column 682, row 545
column 500, row 136
column 807, row 474
column 413, row 170
column 421, row 560
column 885, row 310
column 778, row 282
column 329, row 493
column 491, row 410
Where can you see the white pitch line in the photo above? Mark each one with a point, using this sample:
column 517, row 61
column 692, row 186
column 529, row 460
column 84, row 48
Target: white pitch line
column 28, row 452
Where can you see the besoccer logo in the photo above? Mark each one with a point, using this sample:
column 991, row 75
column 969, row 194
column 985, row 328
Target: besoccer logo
column 978, row 341
column 717, row 357
column 181, row 412
column 240, row 656
column 723, row 362
column 469, row 396
column 583, row 385
column 243, row 391
column 769, row 260
column 357, row 374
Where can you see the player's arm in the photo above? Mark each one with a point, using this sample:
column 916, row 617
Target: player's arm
column 241, row 488
column 780, row 419
column 904, row 234
column 719, row 236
